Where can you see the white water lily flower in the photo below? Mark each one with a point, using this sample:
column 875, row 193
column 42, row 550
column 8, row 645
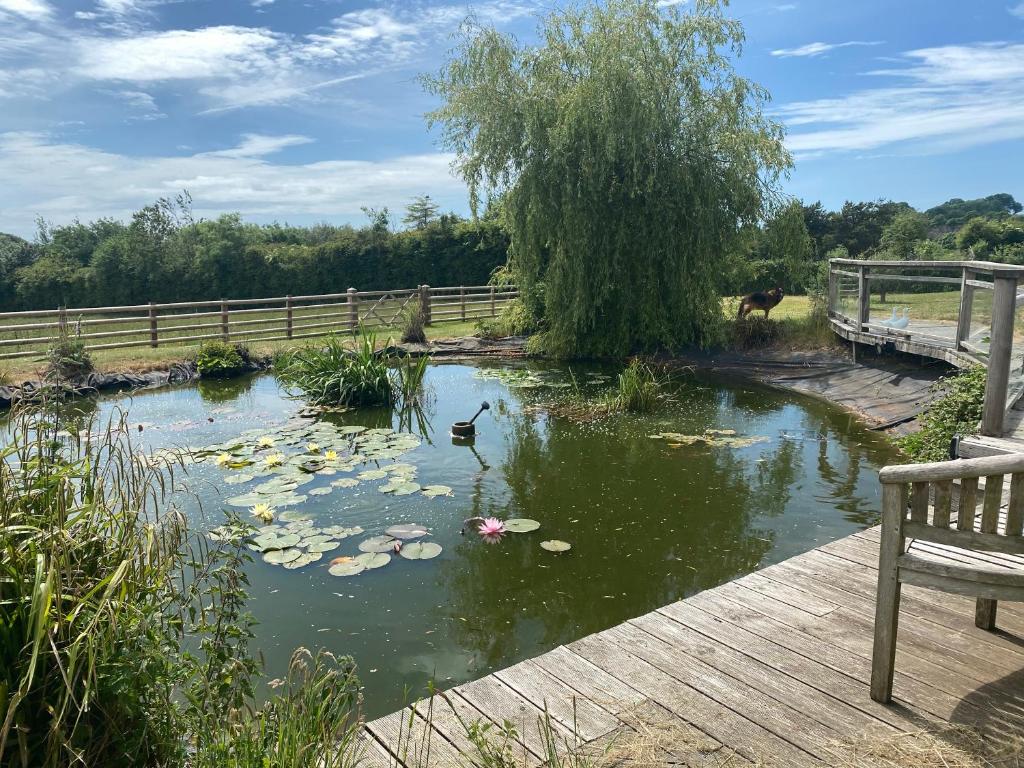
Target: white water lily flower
column 263, row 512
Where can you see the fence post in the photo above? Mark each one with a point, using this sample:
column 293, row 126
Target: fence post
column 493, row 313
column 462, row 301
column 62, row 320
column 353, row 310
column 288, row 315
column 425, row 303
column 153, row 340
column 224, row 331
column 864, row 298
column 963, row 321
column 833, row 292
column 1004, row 307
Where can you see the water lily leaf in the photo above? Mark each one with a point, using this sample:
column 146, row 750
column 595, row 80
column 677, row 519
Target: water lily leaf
column 246, row 500
column 293, row 515
column 431, row 491
column 288, row 540
column 372, row 474
column 345, row 482
column 264, row 542
column 320, row 491
column 377, row 544
column 350, row 568
column 351, row 429
column 270, row 528
column 554, row 545
column 277, row 485
column 400, row 469
column 303, row 560
column 420, row 550
column 241, row 477
column 282, row 556
column 521, row 525
column 373, row 559
column 406, row 488
column 313, row 465
column 406, row 531
column 380, row 431
column 327, row 471
column 314, row 537
column 324, row 546
column 284, row 500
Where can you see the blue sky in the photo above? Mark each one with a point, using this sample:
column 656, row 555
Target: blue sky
column 305, row 110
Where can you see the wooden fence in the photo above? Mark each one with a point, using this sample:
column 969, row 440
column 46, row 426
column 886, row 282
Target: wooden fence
column 26, row 334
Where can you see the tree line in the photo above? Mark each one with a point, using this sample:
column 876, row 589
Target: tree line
column 164, row 254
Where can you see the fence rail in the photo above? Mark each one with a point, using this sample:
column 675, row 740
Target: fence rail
column 27, row 334
column 963, row 312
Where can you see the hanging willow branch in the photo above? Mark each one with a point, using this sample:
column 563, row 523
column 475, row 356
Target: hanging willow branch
column 626, row 153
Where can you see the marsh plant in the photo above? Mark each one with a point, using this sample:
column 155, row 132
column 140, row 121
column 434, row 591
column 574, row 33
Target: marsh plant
column 100, row 585
column 67, row 358
column 219, row 359
column 640, row 389
column 414, row 321
column 330, row 373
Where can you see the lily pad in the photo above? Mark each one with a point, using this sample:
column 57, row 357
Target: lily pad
column 282, row 556
column 373, row 559
column 293, row 515
column 554, row 545
column 345, row 482
column 406, row 531
column 431, row 491
column 323, row 546
column 406, row 488
column 349, row 567
column 420, row 550
column 521, row 525
column 351, row 429
column 288, row 540
column 241, row 477
column 372, row 474
column 246, row 500
column 303, row 560
column 377, row 544
column 320, row 491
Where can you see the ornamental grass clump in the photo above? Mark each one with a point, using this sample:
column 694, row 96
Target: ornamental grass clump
column 329, row 373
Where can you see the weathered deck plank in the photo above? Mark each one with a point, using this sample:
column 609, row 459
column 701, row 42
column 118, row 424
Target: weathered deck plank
column 773, row 666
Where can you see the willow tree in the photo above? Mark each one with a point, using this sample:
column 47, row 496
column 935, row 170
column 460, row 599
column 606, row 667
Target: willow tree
column 626, row 152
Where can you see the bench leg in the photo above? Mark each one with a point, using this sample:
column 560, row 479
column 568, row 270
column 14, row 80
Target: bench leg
column 883, row 659
column 985, row 614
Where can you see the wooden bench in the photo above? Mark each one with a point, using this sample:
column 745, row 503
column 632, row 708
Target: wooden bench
column 928, row 541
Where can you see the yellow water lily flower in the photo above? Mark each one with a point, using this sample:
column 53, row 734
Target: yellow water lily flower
column 313, row 447
column 275, row 459
column 223, row 460
column 265, row 442
column 331, row 455
column 263, row 512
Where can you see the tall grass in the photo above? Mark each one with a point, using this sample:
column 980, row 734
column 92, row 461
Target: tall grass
column 639, row 389
column 329, row 373
column 100, row 584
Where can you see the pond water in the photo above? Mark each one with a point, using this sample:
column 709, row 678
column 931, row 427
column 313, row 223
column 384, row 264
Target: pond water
column 649, row 519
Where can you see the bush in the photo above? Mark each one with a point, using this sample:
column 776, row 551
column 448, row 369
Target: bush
column 515, row 319
column 67, row 357
column 956, row 411
column 218, row 359
column 413, row 324
column 639, row 389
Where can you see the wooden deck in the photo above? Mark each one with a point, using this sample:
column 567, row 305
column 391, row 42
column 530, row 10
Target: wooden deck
column 772, row 669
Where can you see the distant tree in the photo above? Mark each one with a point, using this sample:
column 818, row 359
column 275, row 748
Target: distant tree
column 628, row 153
column 955, row 213
column 996, row 239
column 420, row 212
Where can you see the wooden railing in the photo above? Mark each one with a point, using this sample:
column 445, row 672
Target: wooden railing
column 963, row 312
column 27, row 334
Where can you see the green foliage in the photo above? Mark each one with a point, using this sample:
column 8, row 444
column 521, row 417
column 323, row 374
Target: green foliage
column 514, row 319
column 856, row 226
column 627, row 152
column 67, row 358
column 901, row 235
column 639, row 389
column 995, row 239
column 408, row 377
column 780, row 253
column 420, row 212
column 219, row 359
column 956, row 411
column 328, row 373
column 954, row 213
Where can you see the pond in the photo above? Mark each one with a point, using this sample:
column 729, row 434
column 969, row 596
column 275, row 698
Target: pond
column 652, row 513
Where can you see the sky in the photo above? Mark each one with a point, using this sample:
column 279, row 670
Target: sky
column 303, row 111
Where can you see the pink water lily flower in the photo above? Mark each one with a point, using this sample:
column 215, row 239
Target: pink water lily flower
column 491, row 529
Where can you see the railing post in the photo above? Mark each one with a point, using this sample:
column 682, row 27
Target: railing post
column 153, row 340
column 462, row 301
column 62, row 320
column 425, row 303
column 224, row 330
column 288, row 316
column 963, row 321
column 1004, row 307
column 493, row 312
column 353, row 310
column 833, row 291
column 864, row 298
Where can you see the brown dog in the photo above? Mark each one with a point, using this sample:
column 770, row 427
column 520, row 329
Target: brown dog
column 763, row 300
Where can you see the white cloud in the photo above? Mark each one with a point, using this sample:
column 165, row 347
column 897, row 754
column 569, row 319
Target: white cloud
column 950, row 97
column 60, row 180
column 30, row 9
column 1017, row 10
column 817, row 49
column 211, row 52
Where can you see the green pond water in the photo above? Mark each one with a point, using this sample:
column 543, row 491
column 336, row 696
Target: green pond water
column 650, row 520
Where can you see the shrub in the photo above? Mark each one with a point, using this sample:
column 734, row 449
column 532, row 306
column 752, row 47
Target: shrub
column 67, row 357
column 515, row 319
column 219, row 359
column 639, row 389
column 330, row 374
column 413, row 323
column 956, row 411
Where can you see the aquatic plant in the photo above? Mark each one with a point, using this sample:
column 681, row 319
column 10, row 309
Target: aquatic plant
column 414, row 322
column 328, row 373
column 491, row 529
column 67, row 358
column 219, row 359
column 639, row 389
column 409, row 374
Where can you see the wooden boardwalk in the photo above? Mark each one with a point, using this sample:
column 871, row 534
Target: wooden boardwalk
column 771, row 669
